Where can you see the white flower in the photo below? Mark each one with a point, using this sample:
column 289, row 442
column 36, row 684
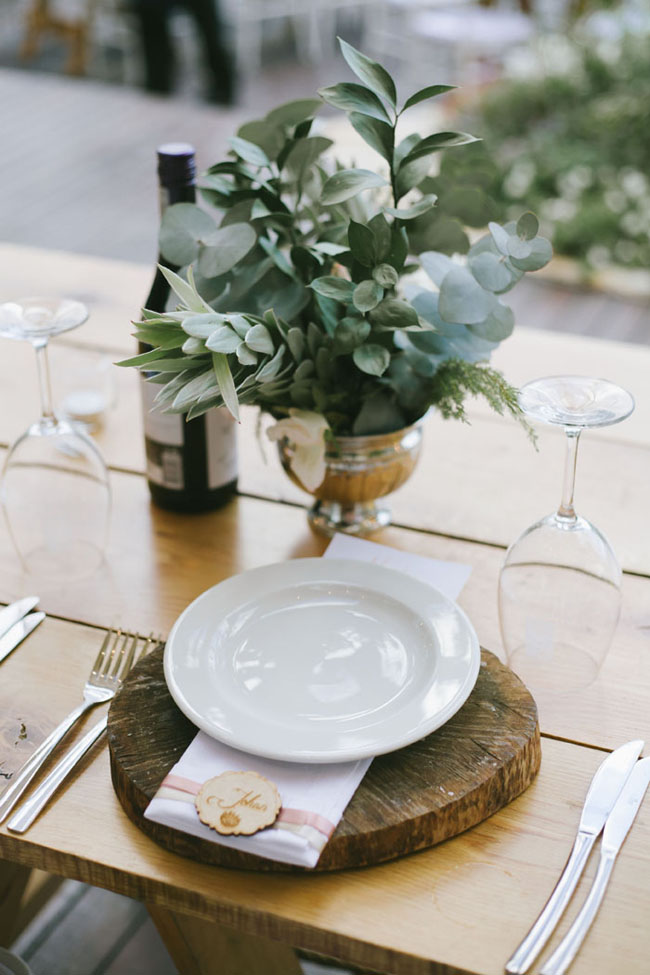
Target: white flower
column 305, row 431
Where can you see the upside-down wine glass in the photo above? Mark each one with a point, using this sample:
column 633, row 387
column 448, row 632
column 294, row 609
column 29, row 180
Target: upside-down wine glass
column 559, row 588
column 54, row 486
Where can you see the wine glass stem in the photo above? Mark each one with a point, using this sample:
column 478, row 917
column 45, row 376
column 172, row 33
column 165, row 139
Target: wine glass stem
column 566, row 511
column 44, row 385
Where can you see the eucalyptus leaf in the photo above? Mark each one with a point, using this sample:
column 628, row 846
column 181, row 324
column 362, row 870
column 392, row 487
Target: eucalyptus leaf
column 372, row 359
column 381, row 231
column 362, row 243
column 424, row 93
column 278, row 257
column 379, row 414
column 350, row 333
column 182, row 228
column 490, row 271
column 351, row 97
column 269, row 137
column 403, row 148
column 411, row 174
column 416, row 210
column 385, row 275
column 527, row 225
column 305, row 152
column 519, row 248
column 500, row 237
column 379, row 135
column 367, row 295
column 347, row 183
column 436, row 265
column 540, row 254
column 372, row 74
column 434, row 143
column 224, row 248
column 462, row 299
column 398, row 248
column 339, row 289
column 326, row 247
column 497, row 326
column 294, row 112
column 393, row 313
column 249, row 152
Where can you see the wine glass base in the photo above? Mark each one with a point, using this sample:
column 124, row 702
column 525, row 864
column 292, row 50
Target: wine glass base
column 565, row 670
column 360, row 518
column 80, row 559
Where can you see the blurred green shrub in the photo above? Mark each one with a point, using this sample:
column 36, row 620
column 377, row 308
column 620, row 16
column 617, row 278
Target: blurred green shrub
column 573, row 140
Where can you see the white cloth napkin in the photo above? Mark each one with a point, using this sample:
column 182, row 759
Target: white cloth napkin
column 314, row 797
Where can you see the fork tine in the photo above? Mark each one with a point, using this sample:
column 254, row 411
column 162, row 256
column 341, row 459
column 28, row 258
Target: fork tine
column 126, row 661
column 117, row 656
column 103, row 650
column 110, row 656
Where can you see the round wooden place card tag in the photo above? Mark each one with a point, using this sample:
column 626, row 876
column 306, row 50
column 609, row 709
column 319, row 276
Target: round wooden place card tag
column 238, row 802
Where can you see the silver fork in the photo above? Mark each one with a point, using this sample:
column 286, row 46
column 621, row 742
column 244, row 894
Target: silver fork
column 116, row 656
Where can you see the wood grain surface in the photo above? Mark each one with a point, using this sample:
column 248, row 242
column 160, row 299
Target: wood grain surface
column 481, row 759
column 461, row 906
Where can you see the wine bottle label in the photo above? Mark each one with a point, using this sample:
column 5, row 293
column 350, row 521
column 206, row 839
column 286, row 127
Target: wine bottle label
column 165, row 444
column 221, row 437
column 163, row 436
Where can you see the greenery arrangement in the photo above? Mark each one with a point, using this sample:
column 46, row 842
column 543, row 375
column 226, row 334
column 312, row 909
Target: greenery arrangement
column 572, row 138
column 297, row 290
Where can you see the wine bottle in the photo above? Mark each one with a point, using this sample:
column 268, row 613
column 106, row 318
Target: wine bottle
column 191, row 464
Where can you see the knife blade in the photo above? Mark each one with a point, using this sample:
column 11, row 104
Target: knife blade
column 18, row 632
column 617, row 827
column 11, row 614
column 604, row 790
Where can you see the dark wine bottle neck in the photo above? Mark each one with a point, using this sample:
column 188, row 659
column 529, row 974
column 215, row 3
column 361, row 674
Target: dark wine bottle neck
column 169, row 194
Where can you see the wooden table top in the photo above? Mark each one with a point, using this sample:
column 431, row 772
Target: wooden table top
column 460, row 907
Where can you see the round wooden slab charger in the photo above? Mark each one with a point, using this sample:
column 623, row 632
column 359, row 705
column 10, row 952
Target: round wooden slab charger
column 476, row 763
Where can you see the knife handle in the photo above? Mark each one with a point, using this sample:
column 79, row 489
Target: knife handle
column 28, row 812
column 545, row 924
column 568, row 947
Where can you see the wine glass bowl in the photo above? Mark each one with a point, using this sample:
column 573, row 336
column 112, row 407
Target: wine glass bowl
column 54, row 486
column 38, row 319
column 575, row 401
column 559, row 603
column 559, row 587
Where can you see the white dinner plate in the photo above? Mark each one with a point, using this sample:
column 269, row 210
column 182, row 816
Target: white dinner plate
column 321, row 660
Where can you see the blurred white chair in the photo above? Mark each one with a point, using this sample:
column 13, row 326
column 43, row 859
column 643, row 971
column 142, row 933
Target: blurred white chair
column 450, row 38
column 313, row 23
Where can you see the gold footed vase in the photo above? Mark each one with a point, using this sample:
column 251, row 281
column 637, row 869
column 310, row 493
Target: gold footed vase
column 360, row 471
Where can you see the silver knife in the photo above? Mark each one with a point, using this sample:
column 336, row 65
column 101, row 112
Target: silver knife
column 616, row 829
column 11, row 614
column 18, row 632
column 604, row 790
